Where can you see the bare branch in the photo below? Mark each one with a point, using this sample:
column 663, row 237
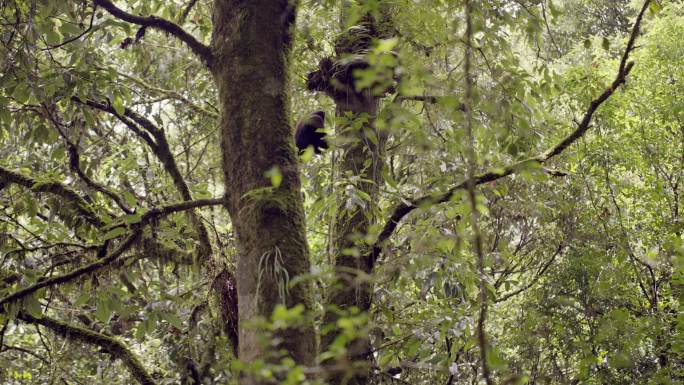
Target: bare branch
column 173, row 95
column 125, row 120
column 471, row 157
column 73, row 39
column 187, row 10
column 68, row 277
column 164, row 211
column 540, row 272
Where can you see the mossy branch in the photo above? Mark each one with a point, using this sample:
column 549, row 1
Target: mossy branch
column 75, row 159
column 159, row 145
column 111, row 345
column 72, row 197
column 135, row 234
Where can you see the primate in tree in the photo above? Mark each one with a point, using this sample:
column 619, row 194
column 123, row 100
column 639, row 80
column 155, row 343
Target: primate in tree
column 308, row 132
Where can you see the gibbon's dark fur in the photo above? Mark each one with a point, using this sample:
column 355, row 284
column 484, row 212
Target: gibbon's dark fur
column 307, row 133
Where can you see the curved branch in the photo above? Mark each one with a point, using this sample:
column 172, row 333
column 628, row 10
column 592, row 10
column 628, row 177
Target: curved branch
column 540, row 273
column 128, row 122
column 70, row 40
column 199, row 49
column 159, row 145
column 404, row 209
column 111, row 345
column 56, row 188
column 161, row 149
column 136, row 232
column 160, row 212
column 70, row 276
column 172, row 94
column 24, row 351
column 75, row 161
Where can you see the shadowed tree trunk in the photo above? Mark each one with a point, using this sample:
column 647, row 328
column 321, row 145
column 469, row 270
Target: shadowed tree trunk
column 250, row 43
column 361, row 162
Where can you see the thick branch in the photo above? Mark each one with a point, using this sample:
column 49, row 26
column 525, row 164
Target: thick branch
column 164, row 211
column 623, row 71
column 161, row 149
column 75, row 164
column 111, row 345
column 128, row 122
column 75, row 161
column 404, row 209
column 56, row 188
column 159, row 144
column 101, row 263
column 70, row 276
column 199, row 49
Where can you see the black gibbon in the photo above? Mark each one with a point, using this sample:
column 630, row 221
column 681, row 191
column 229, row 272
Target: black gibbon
column 308, row 133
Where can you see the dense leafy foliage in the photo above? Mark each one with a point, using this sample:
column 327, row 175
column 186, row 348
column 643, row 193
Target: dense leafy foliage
column 105, row 126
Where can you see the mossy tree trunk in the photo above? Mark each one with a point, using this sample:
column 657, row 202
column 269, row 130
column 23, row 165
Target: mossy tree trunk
column 354, row 287
column 250, row 44
column 361, row 163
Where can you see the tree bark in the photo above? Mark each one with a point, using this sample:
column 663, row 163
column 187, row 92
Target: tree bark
column 250, row 44
column 354, row 287
column 362, row 157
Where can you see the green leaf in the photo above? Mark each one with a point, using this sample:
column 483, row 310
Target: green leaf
column 386, row 45
column 82, row 298
column 494, row 359
column 113, row 233
column 654, row 7
column 69, row 29
column 103, row 310
column 133, row 218
column 33, row 307
column 173, row 319
column 117, row 103
column 275, row 175
column 53, row 37
column 5, row 116
column 295, row 376
column 129, row 198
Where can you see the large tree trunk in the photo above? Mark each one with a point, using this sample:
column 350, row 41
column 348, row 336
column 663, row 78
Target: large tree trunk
column 250, row 43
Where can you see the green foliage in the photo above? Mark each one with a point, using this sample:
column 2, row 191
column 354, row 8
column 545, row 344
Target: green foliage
column 584, row 272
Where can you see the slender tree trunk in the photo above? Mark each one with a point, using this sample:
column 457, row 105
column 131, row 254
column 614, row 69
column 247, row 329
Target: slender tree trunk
column 362, row 158
column 250, row 43
column 354, row 287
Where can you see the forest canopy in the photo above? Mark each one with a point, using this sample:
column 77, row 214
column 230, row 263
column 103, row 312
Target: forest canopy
column 479, row 192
